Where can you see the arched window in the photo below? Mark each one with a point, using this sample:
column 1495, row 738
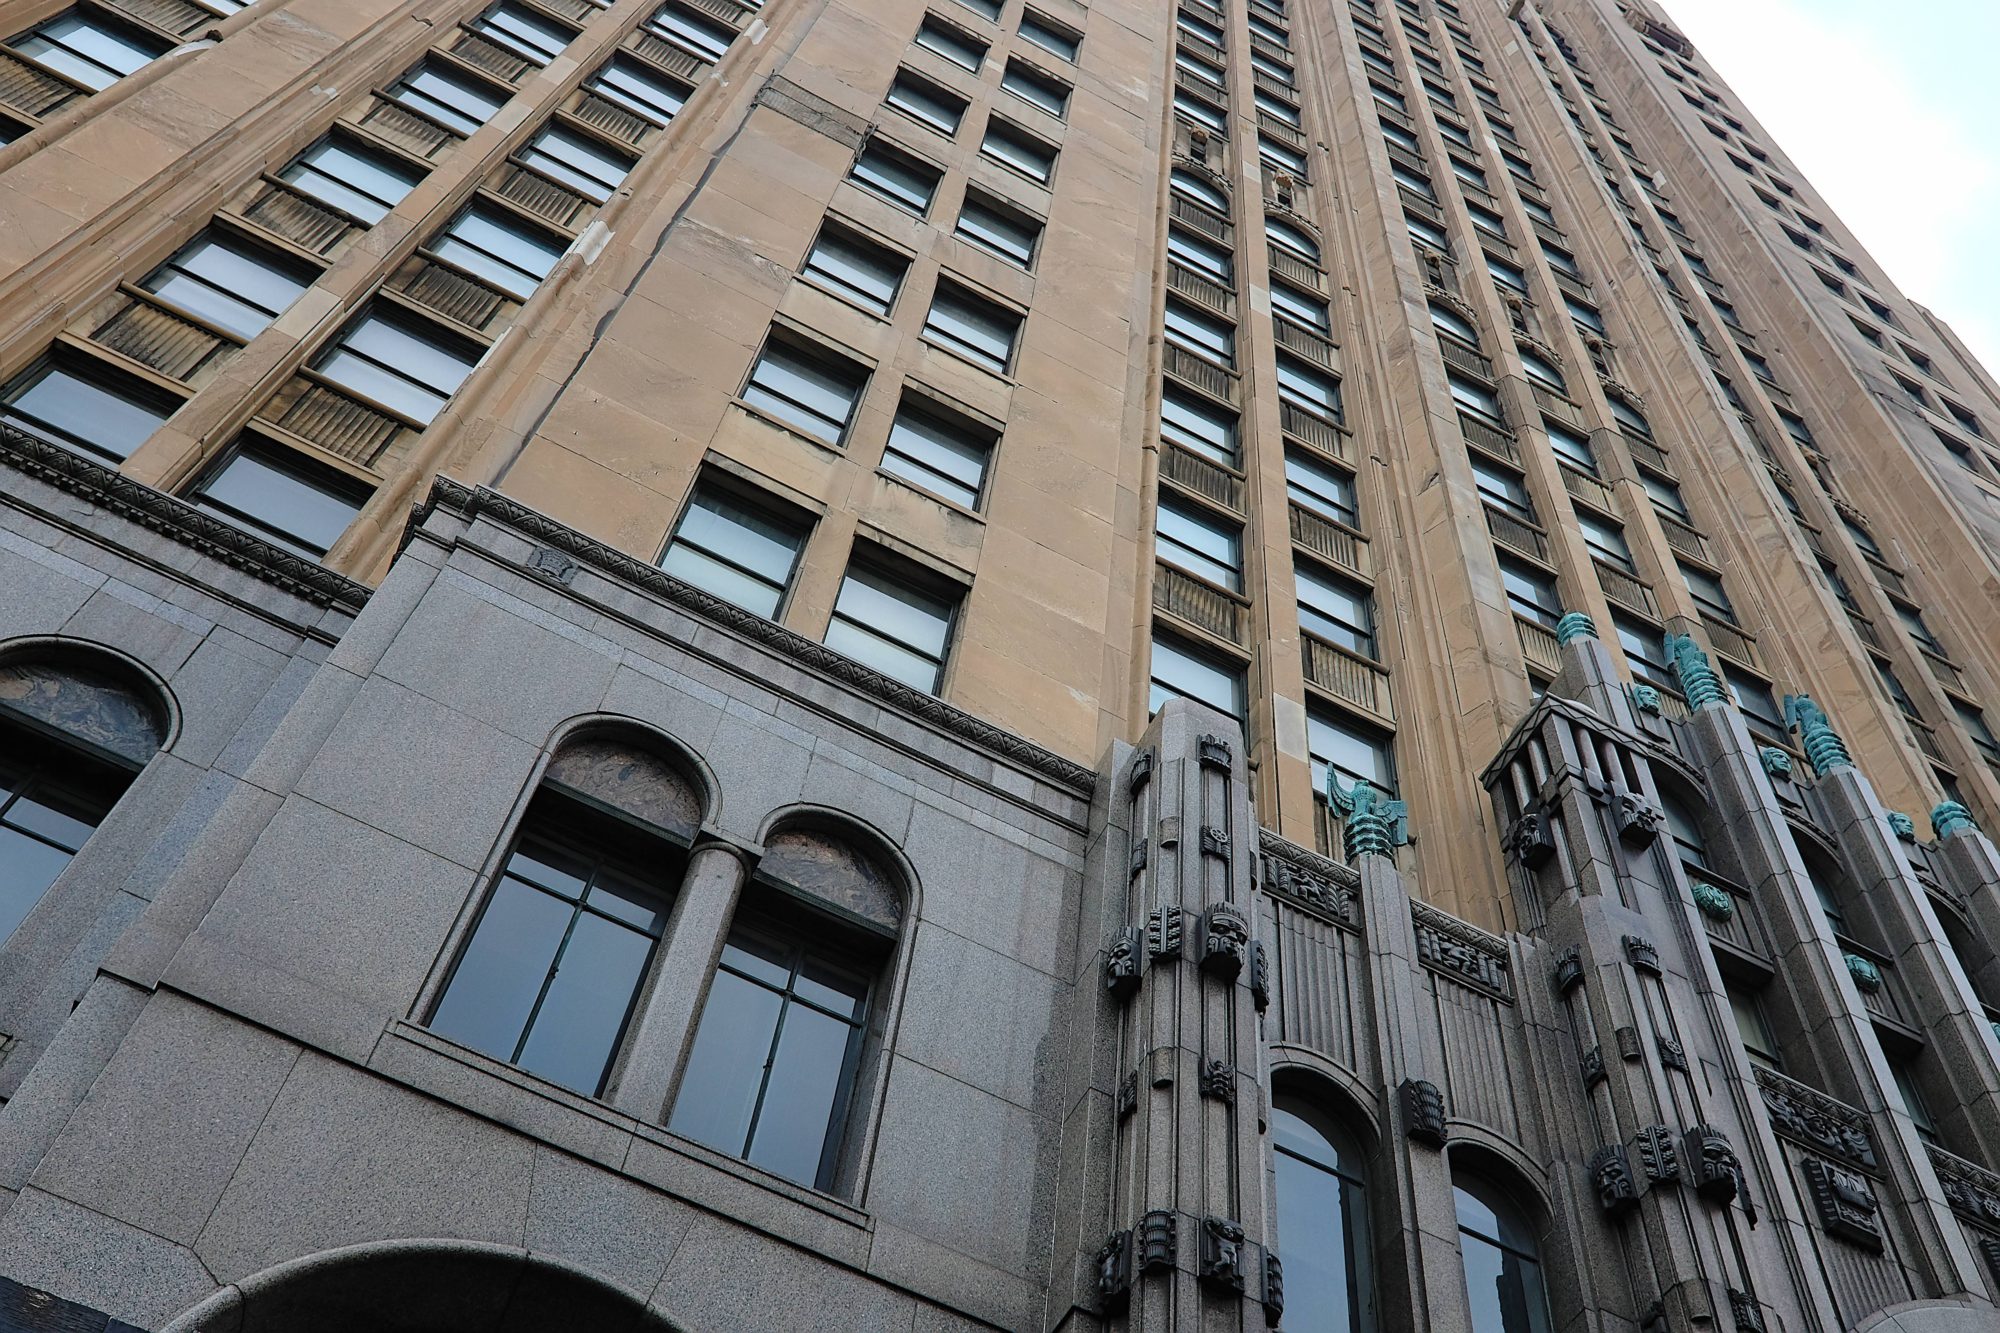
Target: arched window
column 1503, row 1265
column 1286, row 236
column 780, row 1046
column 1189, row 185
column 73, row 735
column 550, row 975
column 1322, row 1222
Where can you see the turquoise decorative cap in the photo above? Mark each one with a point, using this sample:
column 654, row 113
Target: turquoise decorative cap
column 1375, row 825
column 1951, row 817
column 1698, row 679
column 1824, row 749
column 1574, row 625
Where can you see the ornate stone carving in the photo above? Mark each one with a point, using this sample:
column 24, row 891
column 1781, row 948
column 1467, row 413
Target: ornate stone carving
column 1950, row 817
column 1260, row 975
column 1845, row 1203
column 1215, row 752
column 1672, row 1055
column 1114, row 1271
column 1142, row 770
column 1639, row 820
column 1163, row 932
column 1326, row 887
column 552, row 565
column 1450, row 945
column 1972, row 1191
column 1214, row 842
column 1121, row 963
column 1590, row 1065
column 1712, row 1167
column 1532, row 839
column 1646, row 699
column 1274, row 1289
column 1374, row 824
column 1222, row 1259
column 1824, row 749
column 1225, row 941
column 1128, row 1094
column 1777, row 763
column 1611, row 1172
column 1659, row 1157
column 1715, row 902
column 1157, row 1239
column 1574, row 625
column 1867, row 976
column 1138, row 861
column 1747, row 1313
column 1567, row 973
column 1698, row 679
column 1641, row 953
column 1817, row 1120
column 1423, row 1111
column 1902, row 826
column 1218, row 1080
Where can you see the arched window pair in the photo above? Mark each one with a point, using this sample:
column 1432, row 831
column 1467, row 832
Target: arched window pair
column 576, row 939
column 1322, row 1216
column 75, row 729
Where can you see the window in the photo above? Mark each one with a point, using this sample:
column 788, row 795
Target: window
column 1188, row 185
column 447, row 95
column 1861, row 536
column 1914, row 392
column 1319, row 489
column 865, row 273
column 1196, row 424
column 1645, row 652
column 1585, row 314
column 897, row 176
column 1753, row 1029
column 1667, row 497
column 1686, row 829
column 739, row 548
column 1280, row 158
column 1562, row 261
column 1053, row 37
column 408, row 365
column 1278, row 109
column 808, row 388
column 997, row 227
column 1913, row 1100
column 1036, row 88
column 1263, row 27
column 1400, row 137
column 1427, row 233
column 1287, row 237
column 926, row 102
column 1474, row 397
column 638, row 88
column 1276, row 69
column 1473, row 176
column 94, row 50
column 1605, row 540
column 883, row 620
column 939, row 451
column 78, row 403
column 1212, row 261
column 361, row 181
column 1502, row 488
column 1503, row 1270
column 697, row 34
column 500, row 247
column 1349, row 751
column 1198, row 27
column 1288, row 303
column 1016, row 148
column 952, row 42
column 1193, row 540
column 230, row 282
column 1182, row 671
column 1200, row 333
column 1446, row 320
column 1707, row 591
column 1414, row 181
column 523, row 32
column 1542, row 370
column 590, row 167
column 1305, row 387
column 283, row 498
column 1628, row 416
column 1531, row 592
column 1335, row 609
column 972, row 326
column 1754, row 701
column 1974, row 722
column 1965, row 419
column 1323, row 1216
column 1571, row 448
column 1507, row 275
column 1196, row 111
column 989, row 9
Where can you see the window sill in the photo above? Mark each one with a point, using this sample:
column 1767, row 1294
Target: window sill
column 779, row 424
column 964, row 360
column 953, row 506
column 879, row 317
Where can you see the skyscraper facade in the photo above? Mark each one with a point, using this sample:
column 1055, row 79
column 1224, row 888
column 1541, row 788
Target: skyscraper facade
column 954, row 664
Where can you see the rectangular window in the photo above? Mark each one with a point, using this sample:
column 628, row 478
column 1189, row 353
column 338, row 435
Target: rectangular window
column 1502, row 489
column 896, row 176
column 999, row 227
column 1754, row 701
column 1036, row 88
column 808, row 388
column 1192, row 539
column 1016, row 148
column 1920, row 630
column 1051, row 36
column 528, row 35
column 1197, row 111
column 865, row 273
column 1571, row 448
column 282, row 497
column 499, row 247
column 1195, row 424
column 587, row 165
column 952, row 42
column 1507, row 275
column 1974, row 722
column 697, row 34
column 740, row 548
column 94, row 50
column 1278, row 157
column 1913, row 1101
column 1334, row 609
column 1531, row 592
column 1753, row 1029
column 1288, row 302
column 1212, row 261
column 940, row 451
column 84, row 405
column 1966, row 420
column 972, row 326
column 1605, row 540
column 640, row 89
column 1182, row 671
column 1414, row 181
column 1278, row 109
column 1350, row 752
column 883, row 620
column 1199, row 333
column 1708, row 592
column 1585, row 314
column 1474, row 397
column 447, row 95
column 987, row 9
column 360, row 180
column 927, row 103
column 404, row 363
column 231, row 282
column 1471, row 175
column 1645, row 652
column 1666, row 496
column 1304, row 386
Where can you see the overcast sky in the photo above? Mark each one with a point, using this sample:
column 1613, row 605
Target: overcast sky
column 1890, row 108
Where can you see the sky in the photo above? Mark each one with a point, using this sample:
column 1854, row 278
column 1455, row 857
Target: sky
column 1888, row 107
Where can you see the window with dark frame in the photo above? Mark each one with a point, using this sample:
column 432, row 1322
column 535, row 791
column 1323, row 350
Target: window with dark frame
column 448, row 95
column 868, row 274
column 583, row 163
column 980, row 330
column 742, row 547
column 89, row 46
column 230, row 281
column 999, row 228
column 82, row 403
column 282, row 496
column 401, row 361
column 360, row 180
column 637, row 87
column 897, row 176
column 927, row 103
column 808, row 387
column 525, row 33
column 939, row 450
column 896, row 618
column 500, row 247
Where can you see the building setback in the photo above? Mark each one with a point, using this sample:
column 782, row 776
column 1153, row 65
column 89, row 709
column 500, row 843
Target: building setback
column 926, row 665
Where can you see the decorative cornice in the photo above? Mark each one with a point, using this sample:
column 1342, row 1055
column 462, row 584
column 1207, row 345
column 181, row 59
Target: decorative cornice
column 1462, row 949
column 1314, row 882
column 129, row 498
column 1972, row 1191
column 475, row 502
column 1822, row 1123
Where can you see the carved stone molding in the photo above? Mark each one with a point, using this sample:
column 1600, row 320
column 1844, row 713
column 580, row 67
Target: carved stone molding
column 1423, row 1111
column 1807, row 1115
column 1158, row 1241
column 1531, row 838
column 1322, row 886
column 1163, row 932
column 1114, row 1271
column 1566, row 974
column 1659, row 1154
column 1218, row 1081
column 1590, row 1067
column 1223, row 1260
column 1746, row 1312
column 1274, row 1289
column 1639, row 820
column 1225, row 941
column 1260, row 975
column 1214, row 842
column 1713, row 1168
column 1845, row 1203
column 1128, row 1094
column 1214, row 752
column 1972, row 1191
column 1462, row 949
column 1642, row 954
column 1142, row 770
